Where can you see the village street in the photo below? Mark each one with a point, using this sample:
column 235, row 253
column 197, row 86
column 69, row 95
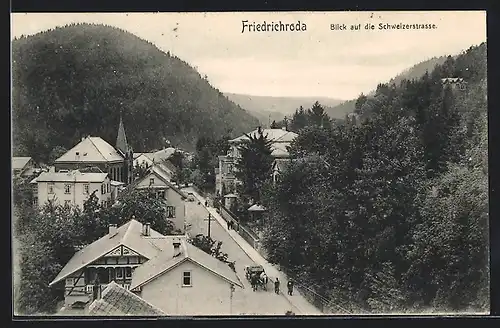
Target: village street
column 245, row 301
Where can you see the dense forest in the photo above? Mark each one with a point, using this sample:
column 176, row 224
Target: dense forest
column 414, row 72
column 74, row 81
column 390, row 213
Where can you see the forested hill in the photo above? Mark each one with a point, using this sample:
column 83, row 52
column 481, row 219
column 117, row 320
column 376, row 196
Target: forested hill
column 397, row 204
column 414, row 72
column 75, row 81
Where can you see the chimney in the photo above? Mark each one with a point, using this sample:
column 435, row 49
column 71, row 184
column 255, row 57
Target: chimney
column 146, row 229
column 112, row 230
column 177, row 247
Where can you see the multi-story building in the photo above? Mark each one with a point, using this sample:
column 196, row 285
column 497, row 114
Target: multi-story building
column 165, row 271
column 72, row 188
column 225, row 177
column 96, row 152
column 158, row 179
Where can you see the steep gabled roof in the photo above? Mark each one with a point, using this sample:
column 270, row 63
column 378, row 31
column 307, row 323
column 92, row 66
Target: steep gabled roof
column 121, row 139
column 19, row 163
column 91, row 149
column 148, row 155
column 279, row 149
column 166, row 261
column 163, row 154
column 116, row 300
column 158, row 172
column 73, row 176
column 129, row 235
column 276, row 135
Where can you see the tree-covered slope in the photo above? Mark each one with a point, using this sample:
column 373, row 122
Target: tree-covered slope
column 414, row 72
column 75, row 81
column 390, row 215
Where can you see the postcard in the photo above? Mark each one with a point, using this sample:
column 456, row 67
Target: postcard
column 250, row 163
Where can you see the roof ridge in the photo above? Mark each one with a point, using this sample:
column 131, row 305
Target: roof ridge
column 128, row 232
column 222, row 275
column 97, row 148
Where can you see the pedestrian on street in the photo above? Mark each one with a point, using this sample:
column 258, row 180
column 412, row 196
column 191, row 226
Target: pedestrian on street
column 228, row 225
column 254, row 282
column 206, row 203
column 277, row 286
column 290, row 287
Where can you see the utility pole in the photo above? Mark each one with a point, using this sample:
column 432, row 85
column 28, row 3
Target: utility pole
column 231, row 299
column 209, row 220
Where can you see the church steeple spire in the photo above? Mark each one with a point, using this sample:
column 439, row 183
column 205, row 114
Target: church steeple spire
column 121, row 139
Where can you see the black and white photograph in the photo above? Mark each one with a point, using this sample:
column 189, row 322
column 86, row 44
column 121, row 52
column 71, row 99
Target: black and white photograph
column 249, row 163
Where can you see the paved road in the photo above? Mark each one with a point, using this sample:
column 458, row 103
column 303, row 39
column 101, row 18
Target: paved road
column 245, row 301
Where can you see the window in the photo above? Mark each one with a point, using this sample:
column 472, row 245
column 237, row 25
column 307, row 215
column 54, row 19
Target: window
column 67, row 189
column 119, row 273
column 35, row 201
column 151, row 181
column 86, row 188
column 170, row 212
column 109, row 188
column 67, row 202
column 51, row 188
column 186, row 278
column 128, row 272
column 69, row 282
column 103, row 189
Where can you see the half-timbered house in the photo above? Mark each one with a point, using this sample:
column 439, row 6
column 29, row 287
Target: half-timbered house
column 113, row 257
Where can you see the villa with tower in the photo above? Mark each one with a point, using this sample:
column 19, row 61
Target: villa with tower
column 95, row 152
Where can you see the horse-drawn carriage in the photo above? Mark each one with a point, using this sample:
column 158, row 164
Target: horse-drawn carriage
column 257, row 276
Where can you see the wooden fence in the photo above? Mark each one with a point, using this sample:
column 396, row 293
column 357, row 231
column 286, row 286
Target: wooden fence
column 243, row 230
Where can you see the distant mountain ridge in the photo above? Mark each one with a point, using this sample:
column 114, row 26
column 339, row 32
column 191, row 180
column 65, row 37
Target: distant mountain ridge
column 75, row 81
column 277, row 107
column 414, row 72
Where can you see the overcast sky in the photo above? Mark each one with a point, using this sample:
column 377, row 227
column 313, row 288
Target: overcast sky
column 316, row 63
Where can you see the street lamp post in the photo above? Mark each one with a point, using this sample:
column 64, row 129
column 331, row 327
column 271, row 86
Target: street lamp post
column 231, row 287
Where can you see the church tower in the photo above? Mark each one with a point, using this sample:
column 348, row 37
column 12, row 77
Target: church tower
column 126, row 151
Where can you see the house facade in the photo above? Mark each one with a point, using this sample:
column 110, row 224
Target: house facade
column 167, row 272
column 225, row 179
column 158, row 180
column 72, row 188
column 186, row 281
column 96, row 152
column 112, row 258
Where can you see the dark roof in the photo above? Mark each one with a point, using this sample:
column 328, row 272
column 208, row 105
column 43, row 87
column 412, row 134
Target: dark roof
column 121, row 139
column 116, row 300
